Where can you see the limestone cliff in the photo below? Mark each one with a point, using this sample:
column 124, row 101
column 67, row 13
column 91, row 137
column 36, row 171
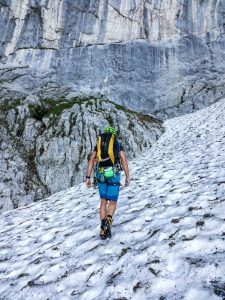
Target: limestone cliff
column 159, row 56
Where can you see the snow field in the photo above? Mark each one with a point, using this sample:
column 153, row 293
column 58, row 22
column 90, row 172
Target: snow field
column 168, row 234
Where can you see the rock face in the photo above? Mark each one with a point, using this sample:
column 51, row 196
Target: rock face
column 155, row 56
column 44, row 144
column 160, row 56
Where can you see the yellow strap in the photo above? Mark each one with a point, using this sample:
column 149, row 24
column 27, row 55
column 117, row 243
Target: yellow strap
column 110, row 150
column 99, row 157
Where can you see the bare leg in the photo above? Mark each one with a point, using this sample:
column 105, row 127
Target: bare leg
column 103, row 209
column 111, row 208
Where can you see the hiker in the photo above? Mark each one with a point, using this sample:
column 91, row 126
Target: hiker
column 108, row 152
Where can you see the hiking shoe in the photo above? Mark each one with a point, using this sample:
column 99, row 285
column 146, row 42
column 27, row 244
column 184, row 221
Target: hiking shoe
column 108, row 223
column 102, row 233
column 102, row 229
column 109, row 219
column 105, row 230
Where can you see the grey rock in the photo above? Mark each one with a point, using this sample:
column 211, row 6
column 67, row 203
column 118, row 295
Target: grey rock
column 47, row 143
column 160, row 56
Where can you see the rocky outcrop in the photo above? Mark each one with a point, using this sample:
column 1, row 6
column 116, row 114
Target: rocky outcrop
column 45, row 143
column 159, row 56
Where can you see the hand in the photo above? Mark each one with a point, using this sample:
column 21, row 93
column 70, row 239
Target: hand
column 88, row 183
column 127, row 181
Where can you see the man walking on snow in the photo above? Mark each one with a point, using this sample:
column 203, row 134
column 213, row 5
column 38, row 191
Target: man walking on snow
column 108, row 153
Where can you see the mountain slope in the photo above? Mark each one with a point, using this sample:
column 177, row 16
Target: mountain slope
column 168, row 234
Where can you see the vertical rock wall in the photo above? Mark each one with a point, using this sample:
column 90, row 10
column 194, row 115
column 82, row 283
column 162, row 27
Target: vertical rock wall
column 160, row 56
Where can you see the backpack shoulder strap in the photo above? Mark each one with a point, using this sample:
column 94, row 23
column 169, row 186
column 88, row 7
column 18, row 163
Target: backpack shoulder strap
column 110, row 150
column 99, row 141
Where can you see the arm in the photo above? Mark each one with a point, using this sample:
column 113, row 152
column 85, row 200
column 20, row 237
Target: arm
column 125, row 167
column 89, row 168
